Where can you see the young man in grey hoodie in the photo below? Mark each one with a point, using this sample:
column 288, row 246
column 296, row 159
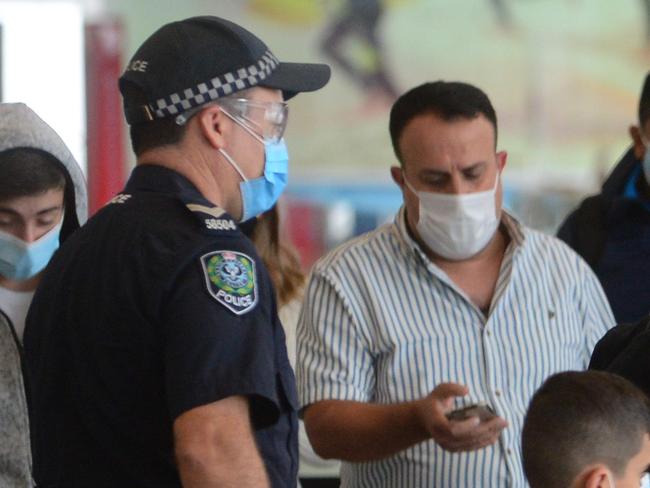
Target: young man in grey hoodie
column 42, row 201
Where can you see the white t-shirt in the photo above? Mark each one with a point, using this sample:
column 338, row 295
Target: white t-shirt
column 15, row 305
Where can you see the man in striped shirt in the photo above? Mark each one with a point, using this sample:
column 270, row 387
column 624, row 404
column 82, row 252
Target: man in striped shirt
column 452, row 304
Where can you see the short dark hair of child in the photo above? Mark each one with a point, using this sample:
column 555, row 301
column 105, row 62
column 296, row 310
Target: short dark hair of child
column 577, row 419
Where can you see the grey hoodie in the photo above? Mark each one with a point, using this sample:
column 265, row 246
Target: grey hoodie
column 20, row 127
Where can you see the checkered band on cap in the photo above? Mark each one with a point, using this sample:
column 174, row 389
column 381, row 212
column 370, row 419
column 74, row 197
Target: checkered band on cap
column 217, row 87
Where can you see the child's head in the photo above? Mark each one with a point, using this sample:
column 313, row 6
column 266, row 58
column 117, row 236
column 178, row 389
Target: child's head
column 586, row 429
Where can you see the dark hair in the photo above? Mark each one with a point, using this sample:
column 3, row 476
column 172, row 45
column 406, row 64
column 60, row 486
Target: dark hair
column 156, row 133
column 580, row 418
column 26, row 171
column 644, row 102
column 448, row 100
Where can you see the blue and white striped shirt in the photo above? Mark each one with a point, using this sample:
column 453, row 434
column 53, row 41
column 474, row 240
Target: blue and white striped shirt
column 381, row 323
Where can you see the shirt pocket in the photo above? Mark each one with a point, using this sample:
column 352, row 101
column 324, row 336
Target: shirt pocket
column 543, row 335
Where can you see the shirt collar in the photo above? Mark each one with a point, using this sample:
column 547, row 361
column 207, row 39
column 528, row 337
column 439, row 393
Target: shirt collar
column 515, row 230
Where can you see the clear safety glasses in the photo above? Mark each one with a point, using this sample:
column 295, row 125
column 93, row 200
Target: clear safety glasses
column 268, row 120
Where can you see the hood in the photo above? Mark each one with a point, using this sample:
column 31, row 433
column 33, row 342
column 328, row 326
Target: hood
column 20, row 127
column 615, row 183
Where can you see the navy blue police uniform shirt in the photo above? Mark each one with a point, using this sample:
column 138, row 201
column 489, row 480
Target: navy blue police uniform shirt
column 158, row 305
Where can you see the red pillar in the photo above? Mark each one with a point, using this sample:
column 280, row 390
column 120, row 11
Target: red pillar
column 105, row 130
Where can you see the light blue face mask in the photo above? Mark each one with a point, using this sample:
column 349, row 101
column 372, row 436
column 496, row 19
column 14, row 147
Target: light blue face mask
column 260, row 194
column 20, row 260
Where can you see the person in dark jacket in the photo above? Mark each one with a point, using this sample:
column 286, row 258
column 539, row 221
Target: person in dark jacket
column 611, row 230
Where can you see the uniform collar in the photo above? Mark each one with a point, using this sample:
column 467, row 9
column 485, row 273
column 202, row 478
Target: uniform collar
column 154, row 178
column 158, row 179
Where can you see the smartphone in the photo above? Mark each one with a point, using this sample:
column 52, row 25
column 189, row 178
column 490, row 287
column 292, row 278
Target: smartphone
column 481, row 410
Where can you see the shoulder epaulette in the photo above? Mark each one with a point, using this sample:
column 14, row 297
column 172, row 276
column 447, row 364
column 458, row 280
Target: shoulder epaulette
column 212, row 218
column 119, row 199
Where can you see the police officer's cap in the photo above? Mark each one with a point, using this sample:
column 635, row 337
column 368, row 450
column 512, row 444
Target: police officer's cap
column 188, row 63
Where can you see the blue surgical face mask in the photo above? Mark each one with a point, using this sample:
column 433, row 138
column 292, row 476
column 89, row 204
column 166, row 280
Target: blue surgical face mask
column 260, row 194
column 20, row 260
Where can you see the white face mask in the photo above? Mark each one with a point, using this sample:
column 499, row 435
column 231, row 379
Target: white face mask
column 457, row 227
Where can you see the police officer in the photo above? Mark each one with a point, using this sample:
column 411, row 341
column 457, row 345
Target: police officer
column 154, row 354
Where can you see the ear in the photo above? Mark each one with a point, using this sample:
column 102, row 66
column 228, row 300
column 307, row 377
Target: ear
column 597, row 476
column 211, row 121
column 502, row 157
column 398, row 175
column 637, row 141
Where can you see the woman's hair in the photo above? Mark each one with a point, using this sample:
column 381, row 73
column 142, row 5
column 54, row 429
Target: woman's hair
column 279, row 257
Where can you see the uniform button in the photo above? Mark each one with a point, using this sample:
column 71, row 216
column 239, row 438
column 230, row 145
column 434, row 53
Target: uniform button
column 509, row 452
column 489, row 334
column 497, row 393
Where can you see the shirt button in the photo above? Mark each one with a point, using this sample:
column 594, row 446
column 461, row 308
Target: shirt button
column 497, row 393
column 489, row 334
column 509, row 452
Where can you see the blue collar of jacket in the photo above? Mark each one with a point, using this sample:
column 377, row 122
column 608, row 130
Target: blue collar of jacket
column 620, row 188
column 629, row 206
column 614, row 185
column 631, row 190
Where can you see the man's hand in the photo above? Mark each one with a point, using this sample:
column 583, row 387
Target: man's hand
column 455, row 436
column 362, row 432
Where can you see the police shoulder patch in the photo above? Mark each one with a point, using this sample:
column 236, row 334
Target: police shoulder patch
column 231, row 279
